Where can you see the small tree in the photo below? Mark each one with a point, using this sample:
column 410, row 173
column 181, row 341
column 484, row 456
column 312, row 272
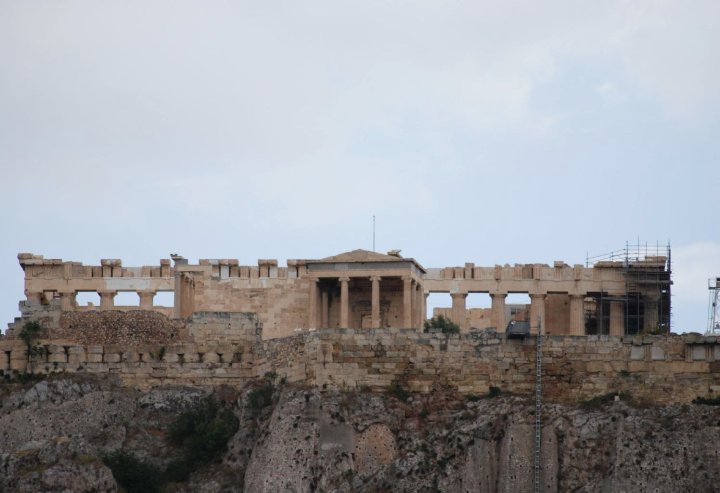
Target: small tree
column 30, row 333
column 444, row 325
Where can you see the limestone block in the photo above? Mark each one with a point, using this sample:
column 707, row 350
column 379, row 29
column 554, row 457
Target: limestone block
column 211, row 357
column 192, row 357
column 77, row 352
column 17, row 363
column 110, row 358
column 56, row 354
column 94, row 357
column 657, row 353
column 131, row 357
column 599, row 366
column 637, row 353
column 698, row 352
column 638, row 366
column 169, row 357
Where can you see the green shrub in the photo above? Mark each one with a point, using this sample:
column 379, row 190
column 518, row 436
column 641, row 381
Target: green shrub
column 134, row 475
column 178, row 471
column 29, row 334
column 398, row 391
column 443, row 324
column 708, row 401
column 203, row 432
column 492, row 392
column 599, row 400
column 261, row 397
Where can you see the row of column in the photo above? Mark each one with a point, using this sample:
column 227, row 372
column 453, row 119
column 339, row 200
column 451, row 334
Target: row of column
column 537, row 311
column 107, row 299
column 413, row 303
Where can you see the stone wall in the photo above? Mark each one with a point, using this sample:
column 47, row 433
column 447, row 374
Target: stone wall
column 654, row 369
column 229, row 348
column 130, row 329
column 282, row 302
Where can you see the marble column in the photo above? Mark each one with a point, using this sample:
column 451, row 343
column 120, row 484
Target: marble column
column 617, row 319
column 146, row 299
column 408, row 295
column 107, row 299
column 423, row 313
column 418, row 306
column 68, row 300
column 375, row 301
column 498, row 311
column 33, row 298
column 459, row 313
column 344, row 302
column 577, row 314
column 537, row 312
column 313, row 304
column 324, row 307
column 651, row 319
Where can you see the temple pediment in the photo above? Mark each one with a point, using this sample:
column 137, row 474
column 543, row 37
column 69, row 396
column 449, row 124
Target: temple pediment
column 360, row 255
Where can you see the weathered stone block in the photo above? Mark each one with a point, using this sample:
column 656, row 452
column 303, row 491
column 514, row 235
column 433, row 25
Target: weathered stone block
column 657, row 353
column 637, row 353
column 698, row 352
column 110, row 358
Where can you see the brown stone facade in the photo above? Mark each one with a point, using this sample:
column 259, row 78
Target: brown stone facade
column 366, row 290
column 222, row 348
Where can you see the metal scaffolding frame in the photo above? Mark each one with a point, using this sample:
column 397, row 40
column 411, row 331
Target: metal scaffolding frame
column 647, row 270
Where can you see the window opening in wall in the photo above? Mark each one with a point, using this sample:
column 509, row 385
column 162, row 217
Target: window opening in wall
column 479, row 306
column 87, row 298
column 127, row 298
column 164, row 298
column 441, row 301
column 517, row 307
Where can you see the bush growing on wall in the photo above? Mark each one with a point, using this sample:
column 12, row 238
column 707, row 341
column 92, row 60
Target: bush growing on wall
column 29, row 334
column 443, row 324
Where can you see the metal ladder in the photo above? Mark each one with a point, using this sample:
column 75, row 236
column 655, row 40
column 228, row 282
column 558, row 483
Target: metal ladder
column 538, row 406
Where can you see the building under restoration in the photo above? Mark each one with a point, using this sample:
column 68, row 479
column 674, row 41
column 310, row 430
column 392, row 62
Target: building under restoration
column 625, row 292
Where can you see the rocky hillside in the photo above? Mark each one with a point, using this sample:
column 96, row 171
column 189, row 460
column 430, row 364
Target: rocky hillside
column 57, row 435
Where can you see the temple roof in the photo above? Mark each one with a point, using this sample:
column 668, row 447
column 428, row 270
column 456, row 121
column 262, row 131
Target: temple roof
column 362, row 256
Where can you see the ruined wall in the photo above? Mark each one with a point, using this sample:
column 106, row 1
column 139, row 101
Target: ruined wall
column 127, row 329
column 483, row 318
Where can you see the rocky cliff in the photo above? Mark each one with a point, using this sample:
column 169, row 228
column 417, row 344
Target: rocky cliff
column 55, row 433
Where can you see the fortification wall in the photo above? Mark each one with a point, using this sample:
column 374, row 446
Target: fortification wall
column 654, row 369
column 222, row 348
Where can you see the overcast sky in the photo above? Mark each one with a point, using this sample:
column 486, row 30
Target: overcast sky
column 485, row 132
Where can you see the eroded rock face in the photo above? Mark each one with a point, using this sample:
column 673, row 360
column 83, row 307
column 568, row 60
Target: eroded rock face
column 53, row 435
column 57, row 465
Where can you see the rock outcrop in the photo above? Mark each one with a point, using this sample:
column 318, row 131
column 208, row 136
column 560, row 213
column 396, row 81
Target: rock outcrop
column 55, row 433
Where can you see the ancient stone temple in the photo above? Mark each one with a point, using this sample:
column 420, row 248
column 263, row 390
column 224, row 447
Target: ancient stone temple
column 363, row 289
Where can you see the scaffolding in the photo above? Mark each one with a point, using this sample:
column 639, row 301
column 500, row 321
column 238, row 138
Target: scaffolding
column 645, row 302
column 713, row 327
